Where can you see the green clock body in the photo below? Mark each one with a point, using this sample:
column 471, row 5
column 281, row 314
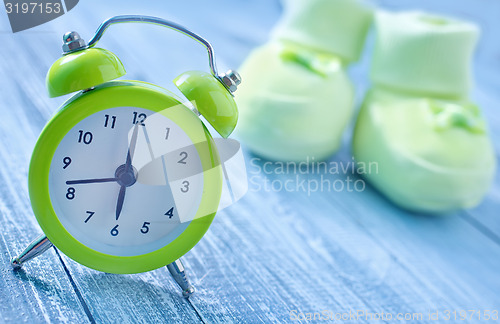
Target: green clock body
column 75, row 184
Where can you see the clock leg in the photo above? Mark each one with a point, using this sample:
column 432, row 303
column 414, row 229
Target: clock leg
column 37, row 247
column 177, row 271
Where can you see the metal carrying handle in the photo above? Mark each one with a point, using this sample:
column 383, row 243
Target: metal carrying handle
column 73, row 43
column 157, row 21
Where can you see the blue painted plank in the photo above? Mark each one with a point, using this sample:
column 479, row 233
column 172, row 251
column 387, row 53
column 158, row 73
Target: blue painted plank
column 282, row 251
column 273, row 252
column 42, row 292
column 151, row 297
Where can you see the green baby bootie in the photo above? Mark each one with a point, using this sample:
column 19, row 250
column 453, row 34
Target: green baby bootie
column 296, row 99
column 430, row 144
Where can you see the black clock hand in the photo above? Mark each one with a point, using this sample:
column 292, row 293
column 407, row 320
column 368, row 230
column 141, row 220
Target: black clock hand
column 119, row 203
column 127, row 171
column 131, row 148
column 71, row 182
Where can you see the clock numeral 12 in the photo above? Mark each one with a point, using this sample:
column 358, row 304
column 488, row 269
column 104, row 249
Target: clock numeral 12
column 139, row 118
column 106, row 121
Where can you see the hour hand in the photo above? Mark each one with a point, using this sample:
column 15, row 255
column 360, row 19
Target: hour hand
column 119, row 202
column 84, row 181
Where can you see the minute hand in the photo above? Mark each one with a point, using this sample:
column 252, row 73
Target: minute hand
column 84, row 181
column 131, row 148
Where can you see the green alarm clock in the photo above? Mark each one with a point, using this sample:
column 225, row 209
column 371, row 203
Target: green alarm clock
column 126, row 178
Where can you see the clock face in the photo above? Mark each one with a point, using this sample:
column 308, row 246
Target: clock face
column 126, row 181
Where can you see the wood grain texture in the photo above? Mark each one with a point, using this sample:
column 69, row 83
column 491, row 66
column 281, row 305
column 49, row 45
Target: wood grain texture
column 41, row 292
column 151, row 297
column 272, row 252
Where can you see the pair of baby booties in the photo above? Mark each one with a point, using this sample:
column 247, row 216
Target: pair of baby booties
column 429, row 142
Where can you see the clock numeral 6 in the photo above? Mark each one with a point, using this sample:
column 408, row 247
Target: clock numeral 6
column 67, row 162
column 85, row 137
column 70, row 194
column 114, row 231
column 145, row 227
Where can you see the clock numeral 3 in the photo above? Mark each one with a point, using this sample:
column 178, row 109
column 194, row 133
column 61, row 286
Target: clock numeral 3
column 70, row 194
column 108, row 123
column 67, row 162
column 186, row 186
column 145, row 227
column 114, row 231
column 170, row 213
column 139, row 118
column 184, row 156
column 85, row 137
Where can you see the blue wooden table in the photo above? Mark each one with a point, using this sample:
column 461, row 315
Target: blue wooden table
column 274, row 253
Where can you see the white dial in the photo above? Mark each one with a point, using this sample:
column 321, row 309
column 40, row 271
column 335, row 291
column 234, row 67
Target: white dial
column 126, row 181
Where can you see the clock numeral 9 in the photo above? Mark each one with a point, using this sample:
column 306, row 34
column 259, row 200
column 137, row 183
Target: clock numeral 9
column 145, row 227
column 139, row 118
column 114, row 231
column 67, row 162
column 85, row 137
column 70, row 194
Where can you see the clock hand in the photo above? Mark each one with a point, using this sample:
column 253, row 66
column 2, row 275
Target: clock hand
column 128, row 169
column 131, row 148
column 71, row 182
column 119, row 203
